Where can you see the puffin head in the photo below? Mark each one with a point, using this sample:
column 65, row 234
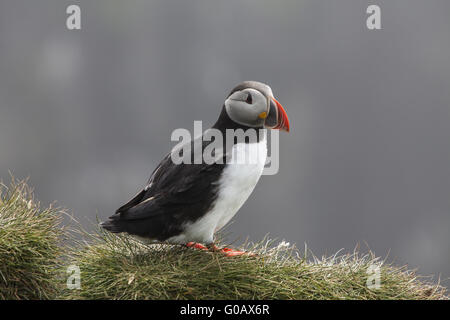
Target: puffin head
column 252, row 104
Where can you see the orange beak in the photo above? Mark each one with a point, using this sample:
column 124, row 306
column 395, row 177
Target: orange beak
column 282, row 120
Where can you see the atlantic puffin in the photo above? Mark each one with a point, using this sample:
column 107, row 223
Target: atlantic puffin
column 186, row 203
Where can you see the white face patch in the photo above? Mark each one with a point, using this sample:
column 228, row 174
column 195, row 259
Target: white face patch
column 245, row 111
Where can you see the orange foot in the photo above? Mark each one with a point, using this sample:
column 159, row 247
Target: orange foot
column 232, row 253
column 196, row 246
column 226, row 251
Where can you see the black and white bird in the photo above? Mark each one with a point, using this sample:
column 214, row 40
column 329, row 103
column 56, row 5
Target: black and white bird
column 186, row 203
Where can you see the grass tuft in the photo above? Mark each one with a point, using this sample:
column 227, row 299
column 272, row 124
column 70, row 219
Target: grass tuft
column 29, row 245
column 118, row 267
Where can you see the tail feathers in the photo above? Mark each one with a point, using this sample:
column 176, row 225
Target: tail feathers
column 113, row 226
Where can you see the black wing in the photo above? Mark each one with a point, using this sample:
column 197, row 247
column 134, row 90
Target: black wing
column 174, row 194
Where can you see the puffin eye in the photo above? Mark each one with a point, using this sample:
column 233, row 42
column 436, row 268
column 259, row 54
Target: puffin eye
column 249, row 99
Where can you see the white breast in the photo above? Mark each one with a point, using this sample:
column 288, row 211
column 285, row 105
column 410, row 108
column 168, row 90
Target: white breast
column 237, row 182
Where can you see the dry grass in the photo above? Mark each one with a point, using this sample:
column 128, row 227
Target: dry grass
column 118, row 267
column 29, row 245
column 34, row 258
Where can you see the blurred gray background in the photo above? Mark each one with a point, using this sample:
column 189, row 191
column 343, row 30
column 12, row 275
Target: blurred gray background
column 88, row 114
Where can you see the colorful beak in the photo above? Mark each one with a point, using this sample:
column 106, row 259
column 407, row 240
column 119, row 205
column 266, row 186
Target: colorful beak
column 277, row 117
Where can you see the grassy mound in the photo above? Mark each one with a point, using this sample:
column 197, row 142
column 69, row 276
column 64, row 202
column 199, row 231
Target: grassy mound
column 29, row 245
column 117, row 267
column 34, row 261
